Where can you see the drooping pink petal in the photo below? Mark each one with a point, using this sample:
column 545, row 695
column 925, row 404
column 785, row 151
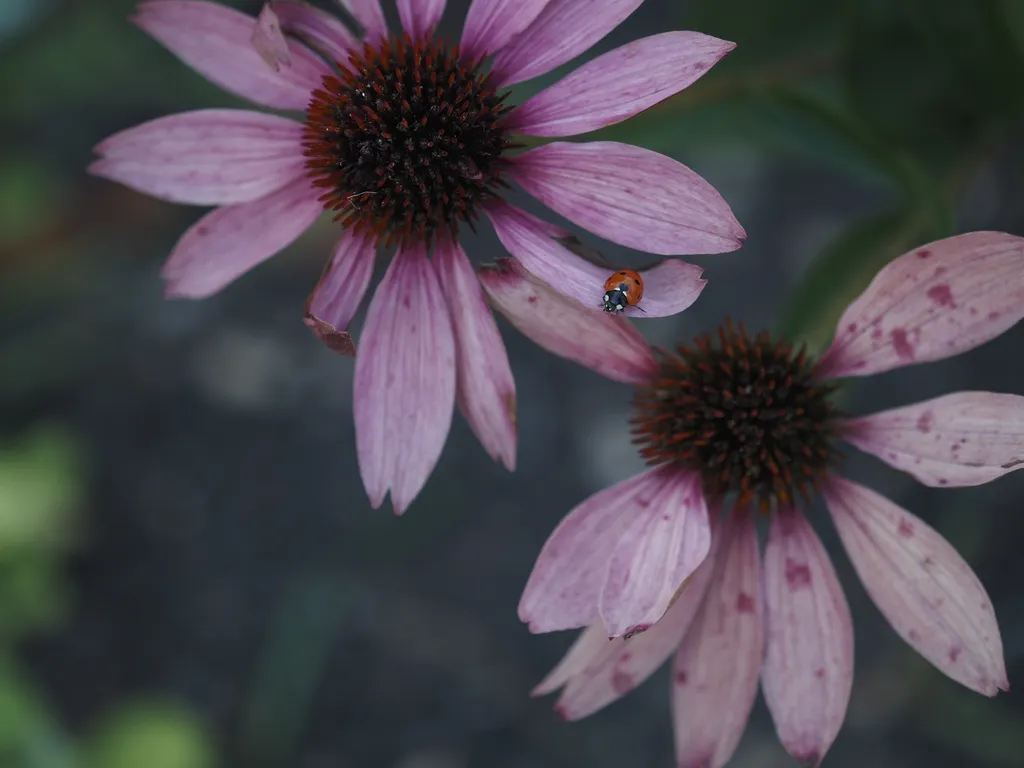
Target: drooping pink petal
column 419, row 17
column 588, row 646
column 207, row 157
column 268, row 39
column 929, row 595
column 490, row 24
column 669, row 287
column 631, row 196
column 318, row 29
column 620, row 664
column 934, row 302
column 606, row 344
column 560, row 33
column 717, row 667
column 661, row 548
column 570, row 573
column 619, row 84
column 336, row 298
column 966, row 438
column 486, row 391
column 228, row 242
column 808, row 665
column 404, row 381
column 216, row 41
column 370, row 15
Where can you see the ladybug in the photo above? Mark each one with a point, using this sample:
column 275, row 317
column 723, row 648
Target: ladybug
column 623, row 289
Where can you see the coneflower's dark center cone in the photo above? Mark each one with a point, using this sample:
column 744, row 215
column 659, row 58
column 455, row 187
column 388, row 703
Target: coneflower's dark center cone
column 406, row 140
column 748, row 414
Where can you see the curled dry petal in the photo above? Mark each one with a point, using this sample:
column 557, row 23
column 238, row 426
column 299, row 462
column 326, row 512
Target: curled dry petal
column 336, row 298
column 669, row 287
column 369, row 14
column 619, row 84
column 561, row 32
column 419, row 17
column 808, row 665
column 934, row 302
column 216, row 41
column 966, row 438
column 268, row 39
column 716, row 670
column 593, row 338
column 228, row 242
column 404, row 383
column 929, row 595
column 631, row 196
column 486, row 391
column 318, row 29
column 490, row 24
column 207, row 157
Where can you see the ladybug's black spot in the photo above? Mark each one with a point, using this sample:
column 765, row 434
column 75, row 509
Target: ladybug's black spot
column 749, row 415
column 406, row 140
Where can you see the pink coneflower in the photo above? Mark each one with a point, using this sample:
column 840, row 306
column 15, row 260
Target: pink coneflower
column 406, row 139
column 750, row 420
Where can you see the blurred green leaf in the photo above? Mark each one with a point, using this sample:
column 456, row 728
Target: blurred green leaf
column 150, row 735
column 33, row 593
column 29, row 736
column 30, row 193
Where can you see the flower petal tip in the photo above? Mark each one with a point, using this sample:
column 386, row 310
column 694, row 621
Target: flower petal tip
column 562, row 711
column 335, row 340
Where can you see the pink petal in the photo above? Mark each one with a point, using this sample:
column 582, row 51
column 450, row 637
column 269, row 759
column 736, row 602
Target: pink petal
column 404, row 383
column 228, row 242
column 606, row 344
column 662, row 547
column 567, row 580
column 588, row 646
column 930, row 596
column 967, row 438
column 336, row 298
column 490, row 24
column 932, row 303
column 808, row 665
column 208, row 157
column 268, row 39
column 369, row 14
column 716, row 670
column 669, row 287
column 561, row 32
column 320, row 30
column 619, row 84
column 419, row 17
column 620, row 664
column 631, row 196
column 485, row 387
column 216, row 41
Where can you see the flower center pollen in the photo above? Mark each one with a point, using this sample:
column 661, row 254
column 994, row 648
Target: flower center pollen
column 406, row 140
column 749, row 415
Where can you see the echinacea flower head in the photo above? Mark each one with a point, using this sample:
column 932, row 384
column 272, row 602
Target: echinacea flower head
column 407, row 139
column 739, row 425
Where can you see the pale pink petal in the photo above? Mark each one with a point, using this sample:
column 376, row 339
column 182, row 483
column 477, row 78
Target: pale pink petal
column 208, row 157
column 621, row 664
column 570, row 573
column 404, row 381
column 486, row 391
column 619, row 84
column 669, row 287
column 808, row 665
column 588, row 646
column 934, row 302
column 663, row 546
column 930, row 596
column 336, row 298
column 967, row 438
column 318, row 29
column 228, row 242
column 717, row 667
column 419, row 17
column 369, row 14
column 631, row 196
column 216, row 41
column 606, row 344
column 490, row 24
column 268, row 39
column 561, row 32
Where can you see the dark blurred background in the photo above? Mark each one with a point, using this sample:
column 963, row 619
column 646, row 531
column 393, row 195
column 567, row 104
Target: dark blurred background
column 190, row 573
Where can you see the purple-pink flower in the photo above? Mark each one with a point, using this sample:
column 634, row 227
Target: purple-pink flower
column 407, row 139
column 739, row 425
